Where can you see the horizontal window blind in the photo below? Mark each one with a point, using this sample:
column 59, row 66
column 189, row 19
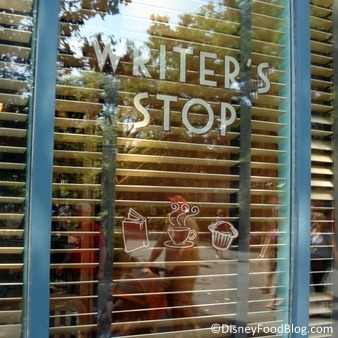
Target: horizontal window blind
column 15, row 49
column 95, row 136
column 322, row 221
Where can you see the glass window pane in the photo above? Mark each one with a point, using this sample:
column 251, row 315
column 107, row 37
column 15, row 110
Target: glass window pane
column 170, row 167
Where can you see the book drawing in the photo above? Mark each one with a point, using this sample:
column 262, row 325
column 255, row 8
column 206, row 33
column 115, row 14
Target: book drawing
column 134, row 229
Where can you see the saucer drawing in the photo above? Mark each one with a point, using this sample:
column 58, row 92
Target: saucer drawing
column 171, row 244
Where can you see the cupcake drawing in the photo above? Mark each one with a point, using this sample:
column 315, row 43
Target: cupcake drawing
column 222, row 234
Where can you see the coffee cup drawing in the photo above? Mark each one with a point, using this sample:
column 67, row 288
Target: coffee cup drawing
column 181, row 235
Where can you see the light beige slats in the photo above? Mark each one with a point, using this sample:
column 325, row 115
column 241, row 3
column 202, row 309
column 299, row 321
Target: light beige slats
column 11, row 19
column 124, row 174
column 321, row 120
column 322, row 3
column 16, row 51
column 81, row 138
column 267, row 8
column 321, row 157
column 77, row 170
column 320, row 11
column 322, row 150
column 12, row 165
column 208, row 205
column 15, row 117
column 13, row 132
column 75, row 201
column 321, row 184
column 11, row 250
column 17, row 5
column 17, row 36
column 264, row 34
column 72, row 91
column 72, row 61
column 174, row 160
column 324, row 145
column 134, row 142
column 171, row 190
column 72, row 251
column 174, row 174
column 10, row 199
column 77, row 265
column 321, row 36
column 65, row 123
column 321, row 108
column 320, row 84
column 267, row 138
column 78, row 106
column 12, row 218
column 11, row 330
column 321, row 170
column 157, row 129
column 65, row 154
column 76, row 187
column 13, row 99
column 320, row 71
column 321, row 194
column 320, row 60
column 267, row 126
column 266, row 23
column 11, row 317
column 14, row 150
column 272, row 153
column 321, row 133
column 320, row 47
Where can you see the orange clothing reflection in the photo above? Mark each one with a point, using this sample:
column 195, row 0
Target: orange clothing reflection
column 90, row 237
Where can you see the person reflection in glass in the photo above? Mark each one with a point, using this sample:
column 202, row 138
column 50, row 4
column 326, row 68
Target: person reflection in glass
column 321, row 250
column 84, row 240
column 181, row 261
column 268, row 254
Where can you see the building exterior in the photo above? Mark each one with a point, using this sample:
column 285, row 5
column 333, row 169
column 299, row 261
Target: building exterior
column 167, row 168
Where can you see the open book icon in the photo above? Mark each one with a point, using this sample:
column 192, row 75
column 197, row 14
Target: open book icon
column 134, row 229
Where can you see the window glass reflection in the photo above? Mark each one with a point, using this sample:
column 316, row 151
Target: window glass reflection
column 148, row 124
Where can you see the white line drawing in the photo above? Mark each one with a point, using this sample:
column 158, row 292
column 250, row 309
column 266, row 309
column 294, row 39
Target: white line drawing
column 134, row 230
column 222, row 233
column 181, row 236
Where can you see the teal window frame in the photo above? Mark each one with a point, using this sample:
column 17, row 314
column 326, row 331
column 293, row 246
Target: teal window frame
column 301, row 166
column 39, row 172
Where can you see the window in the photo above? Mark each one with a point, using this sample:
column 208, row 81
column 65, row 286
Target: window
column 187, row 99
